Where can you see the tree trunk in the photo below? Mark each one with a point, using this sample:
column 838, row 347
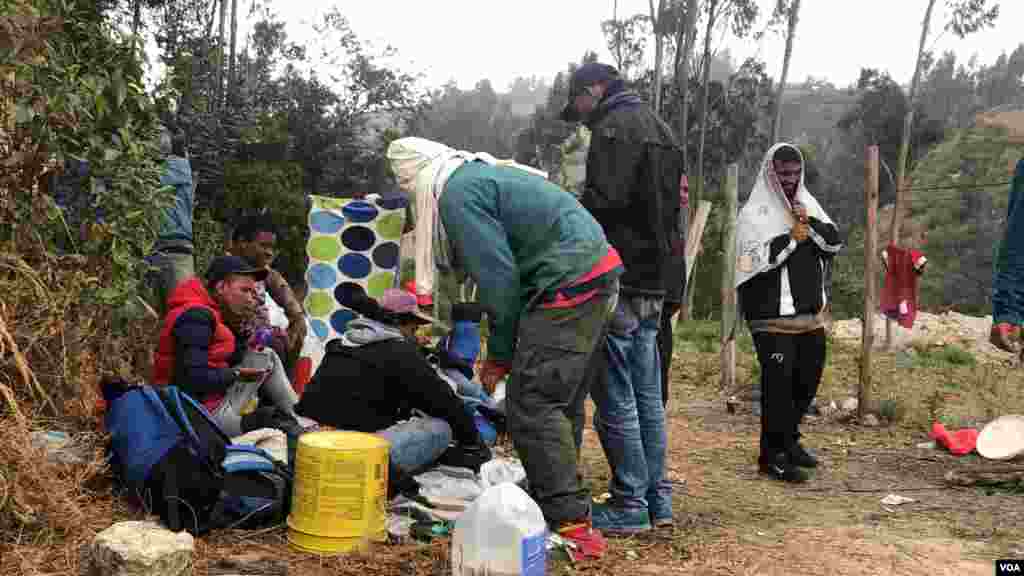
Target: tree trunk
column 698, row 186
column 137, row 18
column 221, row 44
column 683, row 76
column 232, row 79
column 794, row 15
column 902, row 195
column 705, row 94
column 659, row 52
column 618, row 35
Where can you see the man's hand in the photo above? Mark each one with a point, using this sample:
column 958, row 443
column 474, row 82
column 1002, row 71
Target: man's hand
column 492, row 372
column 799, row 232
column 296, row 333
column 251, row 374
column 800, row 229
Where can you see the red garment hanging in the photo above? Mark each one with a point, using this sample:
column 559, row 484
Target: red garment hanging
column 899, row 293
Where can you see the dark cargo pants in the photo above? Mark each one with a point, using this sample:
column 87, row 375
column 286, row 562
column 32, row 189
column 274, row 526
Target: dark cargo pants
column 546, row 395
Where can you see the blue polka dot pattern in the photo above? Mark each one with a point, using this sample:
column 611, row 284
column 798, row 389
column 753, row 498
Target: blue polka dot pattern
column 326, row 222
column 322, row 276
column 340, row 319
column 393, row 203
column 358, row 238
column 352, row 246
column 359, row 212
column 354, row 265
column 320, row 328
column 386, row 255
column 343, row 292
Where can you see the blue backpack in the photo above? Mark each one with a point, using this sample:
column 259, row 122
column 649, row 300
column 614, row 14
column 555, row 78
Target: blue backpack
column 170, row 456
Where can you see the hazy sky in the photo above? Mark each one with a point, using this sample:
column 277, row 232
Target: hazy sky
column 466, row 40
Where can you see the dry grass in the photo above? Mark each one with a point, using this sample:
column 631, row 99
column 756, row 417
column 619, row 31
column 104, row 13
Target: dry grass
column 730, row 520
column 51, row 508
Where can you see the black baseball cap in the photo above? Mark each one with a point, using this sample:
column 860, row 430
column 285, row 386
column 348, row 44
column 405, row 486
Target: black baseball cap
column 587, row 75
column 225, row 266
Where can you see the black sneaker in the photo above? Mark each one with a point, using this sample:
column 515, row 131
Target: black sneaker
column 780, row 468
column 799, row 456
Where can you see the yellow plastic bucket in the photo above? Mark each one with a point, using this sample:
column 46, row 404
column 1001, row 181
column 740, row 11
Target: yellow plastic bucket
column 340, row 492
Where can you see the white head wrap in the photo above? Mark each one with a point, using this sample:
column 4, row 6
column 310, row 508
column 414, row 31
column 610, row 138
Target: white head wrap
column 767, row 214
column 423, row 168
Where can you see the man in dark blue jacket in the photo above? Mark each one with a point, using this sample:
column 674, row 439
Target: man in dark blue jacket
column 634, row 168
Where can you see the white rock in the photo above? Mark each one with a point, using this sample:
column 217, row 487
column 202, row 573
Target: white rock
column 849, row 405
column 870, row 420
column 141, row 549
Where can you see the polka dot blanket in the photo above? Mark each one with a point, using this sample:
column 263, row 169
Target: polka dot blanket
column 352, row 242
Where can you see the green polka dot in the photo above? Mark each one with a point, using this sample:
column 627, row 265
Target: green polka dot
column 325, row 248
column 378, row 283
column 390, row 226
column 319, row 303
column 328, row 202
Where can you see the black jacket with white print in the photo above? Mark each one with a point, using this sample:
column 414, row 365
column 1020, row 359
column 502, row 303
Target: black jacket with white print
column 794, row 284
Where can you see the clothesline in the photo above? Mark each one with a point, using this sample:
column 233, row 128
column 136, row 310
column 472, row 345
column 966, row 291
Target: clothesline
column 972, row 187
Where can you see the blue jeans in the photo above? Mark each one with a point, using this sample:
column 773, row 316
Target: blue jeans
column 630, row 416
column 416, row 443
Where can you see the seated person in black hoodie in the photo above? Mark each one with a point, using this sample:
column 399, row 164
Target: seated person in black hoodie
column 374, row 379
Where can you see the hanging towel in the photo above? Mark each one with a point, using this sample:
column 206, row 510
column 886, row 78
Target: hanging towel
column 899, row 293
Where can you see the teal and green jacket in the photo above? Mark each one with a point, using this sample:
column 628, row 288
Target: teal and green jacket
column 518, row 236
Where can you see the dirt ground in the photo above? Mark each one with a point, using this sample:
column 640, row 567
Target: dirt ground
column 732, row 521
column 735, row 522
column 729, row 519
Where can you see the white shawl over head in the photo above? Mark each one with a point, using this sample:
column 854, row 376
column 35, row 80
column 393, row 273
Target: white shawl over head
column 423, row 168
column 768, row 213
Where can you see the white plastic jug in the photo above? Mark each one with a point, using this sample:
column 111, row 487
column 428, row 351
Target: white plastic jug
column 502, row 534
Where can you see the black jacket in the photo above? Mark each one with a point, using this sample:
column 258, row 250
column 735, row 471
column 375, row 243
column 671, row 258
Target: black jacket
column 795, row 284
column 371, row 387
column 634, row 165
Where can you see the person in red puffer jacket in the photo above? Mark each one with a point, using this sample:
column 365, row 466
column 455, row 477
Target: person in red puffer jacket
column 198, row 352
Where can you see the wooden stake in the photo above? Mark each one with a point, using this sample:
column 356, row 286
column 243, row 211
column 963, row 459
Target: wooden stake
column 870, row 277
column 693, row 237
column 728, row 321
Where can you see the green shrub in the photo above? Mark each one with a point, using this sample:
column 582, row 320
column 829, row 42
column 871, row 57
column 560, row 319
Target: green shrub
column 75, row 88
column 275, row 187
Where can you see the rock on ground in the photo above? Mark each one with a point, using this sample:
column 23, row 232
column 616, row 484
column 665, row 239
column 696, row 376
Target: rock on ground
column 141, row 549
column 969, row 332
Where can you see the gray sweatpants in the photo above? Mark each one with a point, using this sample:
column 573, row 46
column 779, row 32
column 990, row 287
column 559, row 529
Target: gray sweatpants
column 276, row 387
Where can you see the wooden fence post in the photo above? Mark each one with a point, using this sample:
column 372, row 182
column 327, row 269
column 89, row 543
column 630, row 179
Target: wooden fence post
column 870, row 277
column 728, row 312
column 693, row 239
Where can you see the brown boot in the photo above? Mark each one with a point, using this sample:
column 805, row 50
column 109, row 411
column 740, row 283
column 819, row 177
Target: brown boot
column 1005, row 336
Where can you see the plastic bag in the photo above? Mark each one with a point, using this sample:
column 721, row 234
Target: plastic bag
column 502, row 534
column 310, row 357
column 501, row 470
column 437, row 485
